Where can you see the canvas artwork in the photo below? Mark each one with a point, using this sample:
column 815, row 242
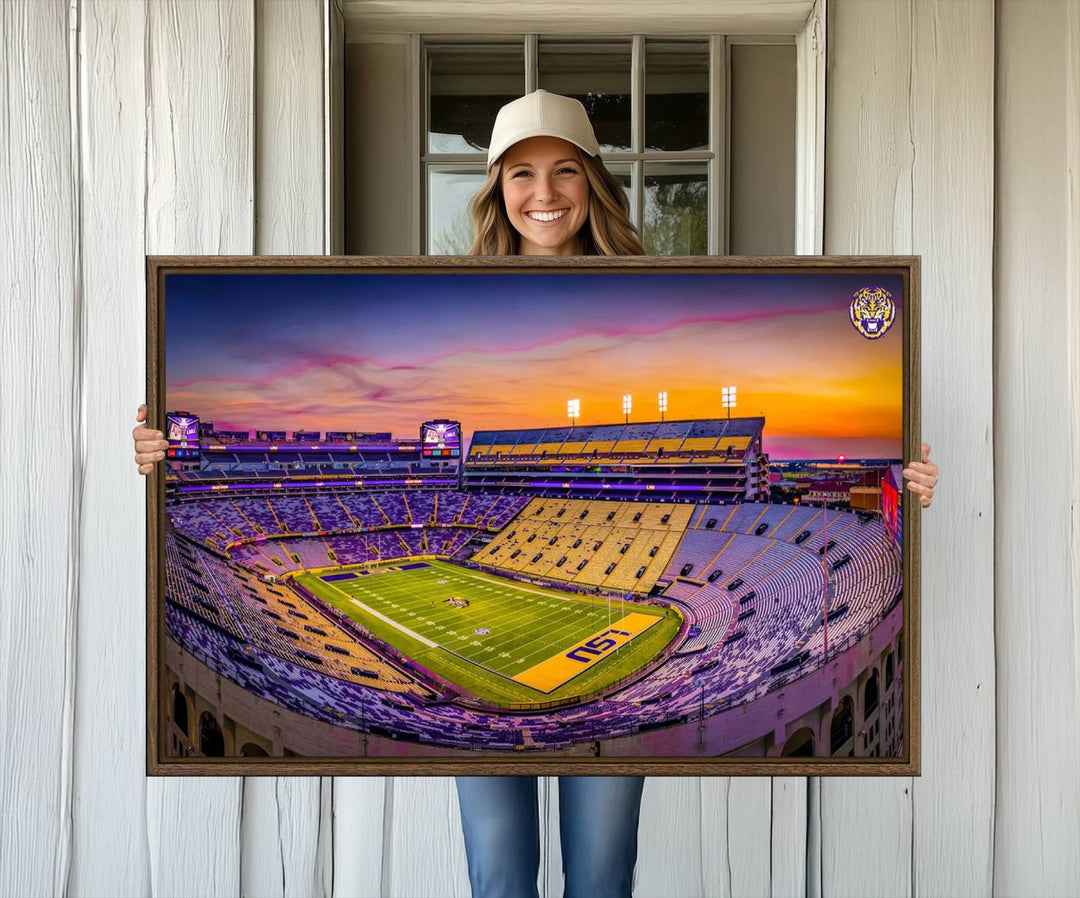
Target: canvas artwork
column 483, row 516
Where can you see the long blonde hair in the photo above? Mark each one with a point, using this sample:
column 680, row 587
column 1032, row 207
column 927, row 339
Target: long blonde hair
column 607, row 231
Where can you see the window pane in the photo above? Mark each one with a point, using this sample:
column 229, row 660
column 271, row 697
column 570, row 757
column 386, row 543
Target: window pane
column 466, row 86
column 449, row 191
column 597, row 74
column 624, row 176
column 676, row 95
column 676, row 209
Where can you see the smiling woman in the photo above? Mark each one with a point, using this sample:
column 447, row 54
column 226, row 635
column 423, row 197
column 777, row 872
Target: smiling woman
column 546, row 195
column 547, row 190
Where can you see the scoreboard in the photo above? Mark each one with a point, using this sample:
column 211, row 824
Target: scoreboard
column 182, row 431
column 440, row 439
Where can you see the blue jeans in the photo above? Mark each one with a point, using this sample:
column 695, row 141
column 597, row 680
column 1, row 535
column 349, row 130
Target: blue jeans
column 598, row 822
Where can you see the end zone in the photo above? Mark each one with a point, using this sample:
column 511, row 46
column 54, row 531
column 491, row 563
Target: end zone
column 549, row 675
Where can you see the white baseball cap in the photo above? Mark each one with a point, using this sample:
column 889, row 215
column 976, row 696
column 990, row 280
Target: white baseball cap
column 541, row 114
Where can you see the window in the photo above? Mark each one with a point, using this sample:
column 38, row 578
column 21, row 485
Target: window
column 659, row 108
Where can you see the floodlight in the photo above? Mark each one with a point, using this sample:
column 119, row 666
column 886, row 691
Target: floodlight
column 727, row 395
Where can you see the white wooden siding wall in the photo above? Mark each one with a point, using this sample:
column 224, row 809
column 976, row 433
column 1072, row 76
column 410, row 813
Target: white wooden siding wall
column 40, row 311
column 1036, row 839
column 199, row 128
column 909, row 151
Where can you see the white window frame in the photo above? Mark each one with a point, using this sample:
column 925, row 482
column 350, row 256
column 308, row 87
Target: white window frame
column 809, row 40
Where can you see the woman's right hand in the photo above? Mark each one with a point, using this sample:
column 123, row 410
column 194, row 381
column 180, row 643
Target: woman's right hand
column 149, row 445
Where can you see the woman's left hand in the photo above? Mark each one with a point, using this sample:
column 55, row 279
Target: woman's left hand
column 922, row 477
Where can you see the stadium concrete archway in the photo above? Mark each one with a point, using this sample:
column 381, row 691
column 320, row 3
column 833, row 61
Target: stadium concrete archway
column 842, row 727
column 180, row 709
column 799, row 744
column 253, row 750
column 870, row 694
column 211, row 739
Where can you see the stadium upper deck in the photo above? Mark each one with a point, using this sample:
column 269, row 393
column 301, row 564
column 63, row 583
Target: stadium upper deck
column 717, row 460
column 663, row 442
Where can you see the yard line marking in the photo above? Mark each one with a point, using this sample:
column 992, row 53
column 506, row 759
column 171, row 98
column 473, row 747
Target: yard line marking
column 394, row 624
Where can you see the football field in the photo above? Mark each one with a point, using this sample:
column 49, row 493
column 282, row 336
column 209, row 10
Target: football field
column 502, row 640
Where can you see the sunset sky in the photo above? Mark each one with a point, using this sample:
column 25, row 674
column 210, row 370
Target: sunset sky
column 374, row 352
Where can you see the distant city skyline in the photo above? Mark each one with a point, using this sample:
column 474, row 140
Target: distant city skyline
column 378, row 352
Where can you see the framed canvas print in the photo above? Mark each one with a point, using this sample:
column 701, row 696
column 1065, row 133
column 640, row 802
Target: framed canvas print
column 546, row 516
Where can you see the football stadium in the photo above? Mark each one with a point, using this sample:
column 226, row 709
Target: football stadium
column 405, row 518
column 629, row 589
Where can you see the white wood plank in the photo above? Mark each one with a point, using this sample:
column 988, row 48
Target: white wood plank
column 749, row 820
column 282, row 816
column 40, row 318
column 953, row 229
column 736, row 836
column 913, row 142
column 715, row 856
column 358, row 804
column 1037, row 442
column 109, row 813
column 813, row 837
column 200, row 184
column 866, row 822
column 359, row 811
column 199, row 200
column 289, row 128
column 280, row 837
column 669, row 838
column 424, row 848
column 706, row 836
column 193, row 830
column 788, row 846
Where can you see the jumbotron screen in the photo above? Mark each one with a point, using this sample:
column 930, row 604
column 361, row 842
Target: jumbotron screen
column 182, row 430
column 440, row 439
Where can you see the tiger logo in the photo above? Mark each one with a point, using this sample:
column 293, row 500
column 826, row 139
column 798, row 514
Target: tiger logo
column 872, row 311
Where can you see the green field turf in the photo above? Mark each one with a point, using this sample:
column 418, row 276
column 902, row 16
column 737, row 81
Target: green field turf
column 527, row 624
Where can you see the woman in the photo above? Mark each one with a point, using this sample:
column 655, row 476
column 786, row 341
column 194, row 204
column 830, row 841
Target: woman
column 548, row 193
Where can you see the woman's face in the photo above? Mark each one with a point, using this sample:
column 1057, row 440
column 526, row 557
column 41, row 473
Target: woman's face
column 546, row 195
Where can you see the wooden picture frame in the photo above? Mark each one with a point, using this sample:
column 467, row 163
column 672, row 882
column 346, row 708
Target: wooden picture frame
column 267, row 670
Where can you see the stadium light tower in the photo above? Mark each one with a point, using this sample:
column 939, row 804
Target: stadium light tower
column 727, row 394
column 663, row 404
column 626, row 407
column 573, row 410
column 827, row 588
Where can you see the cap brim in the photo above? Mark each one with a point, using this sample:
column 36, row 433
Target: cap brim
column 496, row 152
